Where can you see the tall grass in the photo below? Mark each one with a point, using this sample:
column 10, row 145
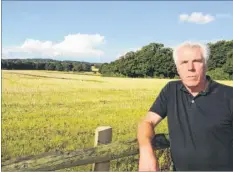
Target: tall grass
column 44, row 111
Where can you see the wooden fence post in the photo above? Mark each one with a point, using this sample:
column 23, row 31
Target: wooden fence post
column 103, row 135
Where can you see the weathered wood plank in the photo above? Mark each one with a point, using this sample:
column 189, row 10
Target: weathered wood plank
column 103, row 135
column 102, row 153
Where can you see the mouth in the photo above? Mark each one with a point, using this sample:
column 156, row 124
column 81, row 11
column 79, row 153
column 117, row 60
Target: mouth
column 191, row 77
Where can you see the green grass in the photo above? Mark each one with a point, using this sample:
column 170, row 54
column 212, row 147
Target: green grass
column 44, row 111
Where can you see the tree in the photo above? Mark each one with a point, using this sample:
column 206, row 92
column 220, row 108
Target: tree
column 77, row 67
column 40, row 66
column 218, row 74
column 163, row 64
column 218, row 53
column 67, row 66
column 152, row 60
column 86, row 67
column 228, row 66
column 50, row 66
column 28, row 65
column 59, row 67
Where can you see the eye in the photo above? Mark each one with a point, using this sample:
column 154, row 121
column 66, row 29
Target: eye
column 198, row 61
column 184, row 62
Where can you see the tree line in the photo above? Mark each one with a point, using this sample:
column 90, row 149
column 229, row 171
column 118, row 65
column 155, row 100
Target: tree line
column 155, row 60
column 46, row 64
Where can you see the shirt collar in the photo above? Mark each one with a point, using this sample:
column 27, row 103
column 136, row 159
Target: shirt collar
column 207, row 90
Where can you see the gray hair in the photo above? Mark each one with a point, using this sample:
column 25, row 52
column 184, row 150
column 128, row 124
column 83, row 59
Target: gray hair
column 204, row 48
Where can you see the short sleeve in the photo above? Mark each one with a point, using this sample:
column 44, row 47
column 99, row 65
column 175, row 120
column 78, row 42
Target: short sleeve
column 160, row 104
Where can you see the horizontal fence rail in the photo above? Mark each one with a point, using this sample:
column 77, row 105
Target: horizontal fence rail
column 101, row 153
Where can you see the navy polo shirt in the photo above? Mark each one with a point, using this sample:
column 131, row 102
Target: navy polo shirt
column 200, row 127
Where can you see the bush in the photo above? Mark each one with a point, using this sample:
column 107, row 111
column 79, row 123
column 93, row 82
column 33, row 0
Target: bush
column 218, row 74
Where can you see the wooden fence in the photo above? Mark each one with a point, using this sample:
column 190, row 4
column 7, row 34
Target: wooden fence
column 100, row 155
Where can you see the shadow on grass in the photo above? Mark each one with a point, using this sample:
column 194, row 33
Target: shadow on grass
column 42, row 76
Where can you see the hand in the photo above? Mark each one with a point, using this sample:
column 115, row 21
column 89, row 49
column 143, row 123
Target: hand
column 148, row 162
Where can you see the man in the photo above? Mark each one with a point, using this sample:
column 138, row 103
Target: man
column 200, row 117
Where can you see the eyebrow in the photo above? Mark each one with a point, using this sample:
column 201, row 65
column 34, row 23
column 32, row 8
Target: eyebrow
column 192, row 60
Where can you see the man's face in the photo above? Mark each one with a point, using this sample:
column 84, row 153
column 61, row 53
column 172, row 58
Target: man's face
column 191, row 65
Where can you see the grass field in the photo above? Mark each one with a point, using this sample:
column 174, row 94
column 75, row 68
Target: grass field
column 43, row 111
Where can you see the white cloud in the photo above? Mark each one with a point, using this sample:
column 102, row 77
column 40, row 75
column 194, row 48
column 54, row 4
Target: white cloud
column 196, row 17
column 73, row 46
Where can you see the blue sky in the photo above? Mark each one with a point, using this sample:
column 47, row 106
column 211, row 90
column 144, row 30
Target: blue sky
column 101, row 31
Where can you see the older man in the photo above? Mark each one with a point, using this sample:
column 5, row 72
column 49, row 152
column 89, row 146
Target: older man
column 200, row 117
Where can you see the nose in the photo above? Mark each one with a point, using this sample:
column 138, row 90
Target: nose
column 190, row 66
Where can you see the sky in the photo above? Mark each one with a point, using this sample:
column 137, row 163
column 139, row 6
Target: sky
column 102, row 31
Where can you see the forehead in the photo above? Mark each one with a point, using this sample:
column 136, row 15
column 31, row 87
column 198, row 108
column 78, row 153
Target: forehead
column 188, row 52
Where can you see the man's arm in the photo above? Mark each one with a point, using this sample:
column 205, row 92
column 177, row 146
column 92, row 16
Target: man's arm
column 157, row 112
column 146, row 128
column 148, row 161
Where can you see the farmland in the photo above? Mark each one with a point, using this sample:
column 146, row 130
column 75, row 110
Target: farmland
column 45, row 110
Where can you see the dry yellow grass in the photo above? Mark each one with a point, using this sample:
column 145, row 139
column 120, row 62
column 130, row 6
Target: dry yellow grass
column 43, row 111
